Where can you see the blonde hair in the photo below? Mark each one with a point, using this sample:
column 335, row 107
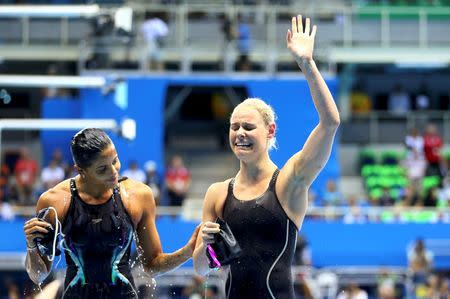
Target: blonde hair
column 267, row 113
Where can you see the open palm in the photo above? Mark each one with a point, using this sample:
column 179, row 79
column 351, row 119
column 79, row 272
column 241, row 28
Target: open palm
column 300, row 41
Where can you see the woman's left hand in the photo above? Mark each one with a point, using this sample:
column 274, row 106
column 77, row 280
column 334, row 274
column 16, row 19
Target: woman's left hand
column 300, row 41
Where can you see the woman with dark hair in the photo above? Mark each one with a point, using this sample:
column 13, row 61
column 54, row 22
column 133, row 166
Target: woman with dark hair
column 100, row 214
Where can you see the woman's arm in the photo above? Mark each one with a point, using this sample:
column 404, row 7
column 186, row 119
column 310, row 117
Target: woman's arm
column 301, row 170
column 209, row 228
column 38, row 266
column 317, row 148
column 156, row 262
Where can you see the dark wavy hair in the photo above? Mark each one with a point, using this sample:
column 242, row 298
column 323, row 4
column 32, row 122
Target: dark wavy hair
column 87, row 144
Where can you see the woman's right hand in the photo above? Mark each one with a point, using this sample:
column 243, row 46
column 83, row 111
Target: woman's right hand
column 209, row 229
column 35, row 228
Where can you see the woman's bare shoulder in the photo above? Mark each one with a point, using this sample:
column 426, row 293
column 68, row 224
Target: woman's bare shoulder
column 61, row 189
column 134, row 188
column 219, row 187
column 57, row 197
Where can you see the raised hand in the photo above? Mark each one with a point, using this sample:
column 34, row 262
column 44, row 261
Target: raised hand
column 300, row 41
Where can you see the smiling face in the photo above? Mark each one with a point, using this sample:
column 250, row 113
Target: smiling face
column 249, row 135
column 105, row 169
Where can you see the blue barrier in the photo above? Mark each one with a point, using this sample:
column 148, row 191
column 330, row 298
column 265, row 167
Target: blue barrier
column 332, row 243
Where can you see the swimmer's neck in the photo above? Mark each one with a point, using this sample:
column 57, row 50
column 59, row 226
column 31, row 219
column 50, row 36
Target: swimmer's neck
column 96, row 191
column 254, row 172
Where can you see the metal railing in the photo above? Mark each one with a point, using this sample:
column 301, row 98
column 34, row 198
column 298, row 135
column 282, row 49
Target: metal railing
column 384, row 127
column 322, row 213
column 346, row 33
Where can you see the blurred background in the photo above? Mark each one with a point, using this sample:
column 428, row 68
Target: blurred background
column 162, row 76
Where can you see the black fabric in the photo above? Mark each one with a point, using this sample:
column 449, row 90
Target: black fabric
column 97, row 241
column 267, row 238
column 225, row 246
column 45, row 244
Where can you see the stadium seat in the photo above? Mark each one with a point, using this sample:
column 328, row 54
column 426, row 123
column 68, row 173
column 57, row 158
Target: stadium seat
column 430, row 182
column 367, row 157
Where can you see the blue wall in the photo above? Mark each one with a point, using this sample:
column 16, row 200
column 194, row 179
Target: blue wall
column 332, row 244
column 367, row 244
column 145, row 98
column 51, row 140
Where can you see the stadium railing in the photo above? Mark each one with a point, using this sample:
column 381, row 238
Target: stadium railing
column 347, row 33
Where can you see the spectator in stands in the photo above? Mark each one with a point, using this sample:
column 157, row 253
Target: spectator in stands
column 134, row 172
column 178, row 181
column 57, row 156
column 415, row 166
column 386, row 285
column 433, row 286
column 13, row 194
column 154, row 30
column 386, row 199
column 414, row 142
column 152, row 179
column 332, row 196
column 13, row 290
column 313, row 200
column 431, row 198
column 353, row 213
column 422, row 102
column 4, row 181
column 360, row 100
column 199, row 289
column 302, row 253
column 304, row 287
column 51, row 175
column 243, row 44
column 411, row 195
column 420, row 261
column 399, row 102
column 265, row 206
column 6, row 211
column 353, row 291
column 432, row 149
column 373, row 214
column 26, row 172
column 445, row 191
column 229, row 35
column 101, row 35
column 444, row 289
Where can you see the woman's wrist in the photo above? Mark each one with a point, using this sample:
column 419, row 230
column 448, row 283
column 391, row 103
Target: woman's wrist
column 187, row 252
column 32, row 246
column 305, row 63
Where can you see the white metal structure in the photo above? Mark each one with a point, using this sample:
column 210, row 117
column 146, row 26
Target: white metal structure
column 53, row 81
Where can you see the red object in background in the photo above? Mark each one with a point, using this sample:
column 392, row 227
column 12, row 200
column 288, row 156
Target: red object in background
column 432, row 147
column 25, row 171
column 178, row 177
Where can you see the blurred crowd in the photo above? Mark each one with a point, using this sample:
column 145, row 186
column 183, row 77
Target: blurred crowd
column 398, row 101
column 22, row 179
column 416, row 178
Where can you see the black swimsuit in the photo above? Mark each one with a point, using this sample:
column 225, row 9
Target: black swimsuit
column 97, row 241
column 267, row 237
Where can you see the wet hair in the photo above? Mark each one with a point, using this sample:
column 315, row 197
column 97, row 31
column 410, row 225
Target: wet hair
column 87, row 144
column 266, row 111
